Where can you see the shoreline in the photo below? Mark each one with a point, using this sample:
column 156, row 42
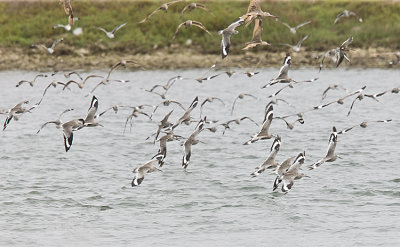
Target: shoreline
column 162, row 59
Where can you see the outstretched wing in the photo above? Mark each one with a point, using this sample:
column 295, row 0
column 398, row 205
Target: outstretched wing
column 118, row 27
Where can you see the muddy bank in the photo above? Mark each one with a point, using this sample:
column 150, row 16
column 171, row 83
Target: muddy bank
column 31, row 59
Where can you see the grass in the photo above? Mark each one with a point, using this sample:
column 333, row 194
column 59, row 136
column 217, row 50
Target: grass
column 380, row 26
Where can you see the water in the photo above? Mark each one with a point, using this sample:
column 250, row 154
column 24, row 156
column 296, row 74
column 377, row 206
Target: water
column 83, row 197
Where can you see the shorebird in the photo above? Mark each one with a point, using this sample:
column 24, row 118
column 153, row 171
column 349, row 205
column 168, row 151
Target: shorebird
column 280, row 169
column 207, row 78
column 293, row 30
column 169, row 136
column 256, row 40
column 136, row 111
column 68, row 74
column 241, row 96
column 236, row 121
column 330, row 156
column 186, row 116
column 361, row 96
column 122, row 63
column 168, row 85
column 264, row 132
column 339, row 53
column 68, row 11
column 363, row 125
column 51, row 84
column 346, row 13
column 291, row 125
column 192, row 6
column 91, row 115
column 81, row 84
column 148, row 167
column 167, row 103
column 30, row 82
column 57, row 122
column 332, row 87
column 255, row 12
column 226, row 36
column 283, row 76
column 68, row 129
column 270, row 161
column 210, row 100
column 163, row 7
column 250, row 73
column 297, row 47
column 110, row 35
column 50, row 49
column 66, row 27
column 290, row 85
column 189, row 23
column 164, row 123
column 15, row 112
column 191, row 141
column 290, row 174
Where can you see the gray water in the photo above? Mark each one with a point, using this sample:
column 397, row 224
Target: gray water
column 84, row 198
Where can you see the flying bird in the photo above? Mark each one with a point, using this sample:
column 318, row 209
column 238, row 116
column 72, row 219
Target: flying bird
column 110, row 35
column 297, row 47
column 148, row 167
column 57, row 122
column 193, row 6
column 346, row 13
column 293, row 30
column 188, row 24
column 30, row 82
column 291, row 173
column 226, row 36
column 68, row 129
column 256, row 40
column 68, row 11
column 50, row 49
column 163, row 7
column 330, row 156
column 270, row 161
column 191, row 141
column 264, row 132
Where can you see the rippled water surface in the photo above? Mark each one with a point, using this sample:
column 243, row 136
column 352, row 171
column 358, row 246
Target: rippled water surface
column 84, row 198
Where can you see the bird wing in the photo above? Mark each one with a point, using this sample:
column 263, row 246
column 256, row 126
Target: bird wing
column 338, row 17
column 285, row 24
column 302, row 24
column 56, row 42
column 102, row 29
column 351, row 107
column 118, row 27
column 184, row 9
column 177, row 29
column 149, row 15
column 200, row 25
column 346, row 43
column 92, row 109
column 257, row 31
column 302, row 40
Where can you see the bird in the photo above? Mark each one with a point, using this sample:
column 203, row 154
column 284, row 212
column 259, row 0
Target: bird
column 81, row 84
column 256, row 40
column 168, row 85
column 339, row 53
column 192, row 6
column 290, row 85
column 210, row 100
column 251, row 73
column 189, row 23
column 68, row 11
column 270, row 161
column 191, row 141
column 186, row 116
column 290, row 125
column 330, row 156
column 68, row 129
column 363, row 125
column 226, row 36
column 169, row 136
column 110, row 35
column 361, row 96
column 346, row 13
column 241, row 96
column 51, row 84
column 227, row 123
column 66, row 27
column 264, row 132
column 290, row 174
column 167, row 102
column 280, row 169
column 57, row 122
column 91, row 115
column 15, row 112
column 296, row 48
column 254, row 11
column 140, row 171
column 136, row 111
column 332, row 87
column 283, row 76
column 293, row 30
column 164, row 123
column 50, row 49
column 30, row 82
column 163, row 7
column 68, row 74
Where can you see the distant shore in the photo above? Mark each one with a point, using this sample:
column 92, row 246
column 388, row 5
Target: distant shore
column 29, row 59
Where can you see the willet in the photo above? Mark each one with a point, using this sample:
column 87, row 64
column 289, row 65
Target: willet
column 57, row 122
column 236, row 121
column 81, row 84
column 330, row 156
column 191, row 141
column 210, row 100
column 363, row 125
column 192, row 6
column 68, row 11
column 68, row 129
column 15, row 112
column 136, row 111
column 264, row 132
column 297, row 47
column 163, row 7
column 346, row 13
column 226, row 36
column 293, row 30
column 283, row 76
column 241, row 96
column 256, row 40
column 50, row 49
column 332, row 87
column 164, row 123
column 110, row 35
column 146, row 168
column 188, row 24
column 270, row 161
column 291, row 173
column 169, row 136
column 30, row 82
column 339, row 53
column 291, row 125
column 91, row 115
column 186, row 116
column 361, row 96
column 254, row 11
column 167, row 103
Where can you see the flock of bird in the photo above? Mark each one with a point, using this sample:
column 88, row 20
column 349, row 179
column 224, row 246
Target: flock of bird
column 286, row 172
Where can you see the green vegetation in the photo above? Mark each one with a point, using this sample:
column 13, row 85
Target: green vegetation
column 25, row 23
